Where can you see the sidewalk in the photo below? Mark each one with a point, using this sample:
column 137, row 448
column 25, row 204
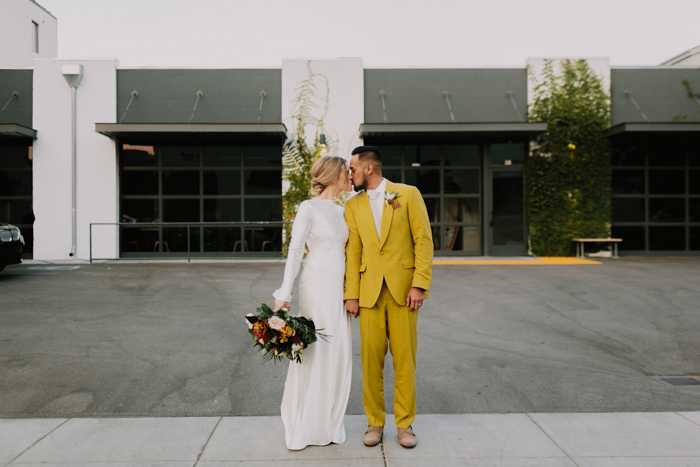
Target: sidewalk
column 504, row 440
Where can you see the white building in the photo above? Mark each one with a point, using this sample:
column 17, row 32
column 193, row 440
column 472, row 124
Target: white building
column 27, row 31
column 178, row 160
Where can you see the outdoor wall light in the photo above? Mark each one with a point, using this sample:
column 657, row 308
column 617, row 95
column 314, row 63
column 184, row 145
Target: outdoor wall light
column 73, row 74
column 199, row 94
column 382, row 95
column 134, row 94
column 13, row 96
column 262, row 95
column 446, row 95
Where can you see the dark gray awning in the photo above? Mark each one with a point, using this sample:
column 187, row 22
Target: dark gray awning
column 194, row 133
column 448, row 130
column 14, row 133
column 640, row 128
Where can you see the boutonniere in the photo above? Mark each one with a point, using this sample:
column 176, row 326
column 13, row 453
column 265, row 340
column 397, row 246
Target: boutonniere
column 391, row 199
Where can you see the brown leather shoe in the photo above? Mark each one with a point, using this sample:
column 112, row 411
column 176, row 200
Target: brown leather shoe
column 407, row 438
column 373, row 435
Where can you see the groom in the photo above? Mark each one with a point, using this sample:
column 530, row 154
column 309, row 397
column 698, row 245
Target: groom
column 387, row 277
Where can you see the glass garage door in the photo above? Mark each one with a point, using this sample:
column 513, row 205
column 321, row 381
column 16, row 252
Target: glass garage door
column 200, row 185
column 656, row 195
column 16, row 192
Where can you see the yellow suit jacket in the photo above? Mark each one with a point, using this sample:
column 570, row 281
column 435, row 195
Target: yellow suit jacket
column 403, row 255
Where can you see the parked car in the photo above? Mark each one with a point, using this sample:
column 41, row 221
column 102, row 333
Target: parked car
column 11, row 245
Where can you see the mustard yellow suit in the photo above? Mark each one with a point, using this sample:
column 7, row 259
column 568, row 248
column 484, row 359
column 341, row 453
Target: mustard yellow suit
column 380, row 271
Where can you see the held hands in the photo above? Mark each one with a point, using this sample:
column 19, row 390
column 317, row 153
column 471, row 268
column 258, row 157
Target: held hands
column 353, row 307
column 415, row 298
column 279, row 304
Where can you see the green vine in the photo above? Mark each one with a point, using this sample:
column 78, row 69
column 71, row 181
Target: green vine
column 690, row 92
column 568, row 175
column 298, row 154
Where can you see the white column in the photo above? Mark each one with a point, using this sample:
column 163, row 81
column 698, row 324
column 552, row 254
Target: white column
column 346, row 82
column 97, row 172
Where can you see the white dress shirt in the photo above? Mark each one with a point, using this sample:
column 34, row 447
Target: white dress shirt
column 376, row 203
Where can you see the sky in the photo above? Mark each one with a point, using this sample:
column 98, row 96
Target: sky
column 385, row 33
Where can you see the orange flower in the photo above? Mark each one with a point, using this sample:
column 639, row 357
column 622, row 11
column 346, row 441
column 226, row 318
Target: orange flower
column 259, row 329
column 286, row 333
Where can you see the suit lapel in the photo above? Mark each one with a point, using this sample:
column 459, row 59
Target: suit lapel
column 367, row 219
column 387, row 216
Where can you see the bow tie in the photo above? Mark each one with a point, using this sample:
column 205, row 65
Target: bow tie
column 373, row 195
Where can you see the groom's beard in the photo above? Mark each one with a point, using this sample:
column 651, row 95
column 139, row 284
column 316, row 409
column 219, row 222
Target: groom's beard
column 359, row 186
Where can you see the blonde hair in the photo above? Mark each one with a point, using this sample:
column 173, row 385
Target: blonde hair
column 325, row 172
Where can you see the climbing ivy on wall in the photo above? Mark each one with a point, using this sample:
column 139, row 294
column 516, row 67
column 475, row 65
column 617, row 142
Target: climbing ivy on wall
column 568, row 175
column 692, row 94
column 304, row 147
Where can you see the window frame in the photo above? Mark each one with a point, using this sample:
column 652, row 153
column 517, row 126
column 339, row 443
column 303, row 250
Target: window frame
column 200, row 168
column 691, row 162
column 35, row 37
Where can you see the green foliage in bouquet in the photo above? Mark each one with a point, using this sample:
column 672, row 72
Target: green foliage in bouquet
column 298, row 154
column 282, row 335
column 567, row 174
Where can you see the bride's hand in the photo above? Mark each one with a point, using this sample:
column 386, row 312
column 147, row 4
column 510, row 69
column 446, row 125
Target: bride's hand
column 279, row 304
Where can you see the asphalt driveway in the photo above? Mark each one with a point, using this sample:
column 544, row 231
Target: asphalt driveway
column 169, row 339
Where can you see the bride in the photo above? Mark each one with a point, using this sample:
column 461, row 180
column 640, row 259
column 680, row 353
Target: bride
column 316, row 392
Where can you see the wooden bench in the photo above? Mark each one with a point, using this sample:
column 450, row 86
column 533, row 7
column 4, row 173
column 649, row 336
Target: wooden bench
column 582, row 241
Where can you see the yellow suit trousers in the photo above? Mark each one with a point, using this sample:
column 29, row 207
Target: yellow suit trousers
column 389, row 318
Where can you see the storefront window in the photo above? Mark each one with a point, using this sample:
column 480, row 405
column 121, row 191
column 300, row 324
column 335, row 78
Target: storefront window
column 16, row 180
column 200, row 184
column 448, row 177
column 655, row 204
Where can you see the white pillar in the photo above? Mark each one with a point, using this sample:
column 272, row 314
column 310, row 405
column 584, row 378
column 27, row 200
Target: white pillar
column 346, row 98
column 97, row 172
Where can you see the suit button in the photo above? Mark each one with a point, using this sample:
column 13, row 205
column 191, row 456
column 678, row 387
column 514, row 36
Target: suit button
column 381, row 252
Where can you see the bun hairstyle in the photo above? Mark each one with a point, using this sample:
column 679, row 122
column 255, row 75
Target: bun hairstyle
column 325, row 172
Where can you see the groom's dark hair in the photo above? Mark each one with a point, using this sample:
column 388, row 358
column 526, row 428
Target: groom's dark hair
column 369, row 154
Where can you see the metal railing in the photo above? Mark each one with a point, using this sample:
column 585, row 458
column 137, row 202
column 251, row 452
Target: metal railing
column 285, row 237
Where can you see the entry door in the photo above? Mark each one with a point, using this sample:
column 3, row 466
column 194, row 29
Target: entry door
column 506, row 221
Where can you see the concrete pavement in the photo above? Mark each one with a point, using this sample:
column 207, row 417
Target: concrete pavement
column 498, row 440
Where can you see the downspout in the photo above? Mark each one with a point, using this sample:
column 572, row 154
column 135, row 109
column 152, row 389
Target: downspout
column 73, row 75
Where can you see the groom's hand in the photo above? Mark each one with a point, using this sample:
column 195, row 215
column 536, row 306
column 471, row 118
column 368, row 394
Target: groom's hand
column 353, row 307
column 415, row 298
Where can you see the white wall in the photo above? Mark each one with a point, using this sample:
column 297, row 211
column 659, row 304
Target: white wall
column 96, row 160
column 346, row 82
column 599, row 65
column 16, row 32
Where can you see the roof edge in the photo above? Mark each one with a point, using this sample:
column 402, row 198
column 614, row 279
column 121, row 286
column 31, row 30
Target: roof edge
column 43, row 8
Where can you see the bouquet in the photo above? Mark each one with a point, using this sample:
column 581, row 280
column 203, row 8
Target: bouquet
column 281, row 335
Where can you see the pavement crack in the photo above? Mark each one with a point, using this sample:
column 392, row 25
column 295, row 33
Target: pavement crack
column 691, row 421
column 207, row 442
column 37, row 441
column 386, row 463
column 552, row 440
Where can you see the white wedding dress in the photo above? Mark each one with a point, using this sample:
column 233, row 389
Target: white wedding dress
column 316, row 391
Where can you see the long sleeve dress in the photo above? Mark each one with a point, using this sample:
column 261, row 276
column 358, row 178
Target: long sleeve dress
column 316, row 391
